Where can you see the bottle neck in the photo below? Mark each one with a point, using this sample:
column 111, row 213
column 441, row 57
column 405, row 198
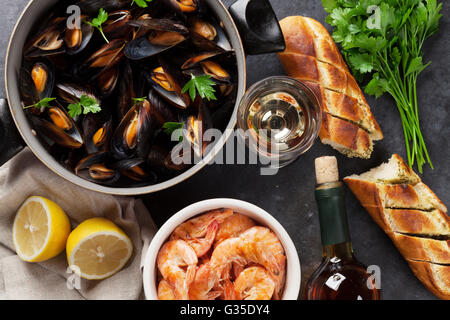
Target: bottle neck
column 343, row 251
column 334, row 230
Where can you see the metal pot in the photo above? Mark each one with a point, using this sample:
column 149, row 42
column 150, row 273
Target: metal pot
column 252, row 28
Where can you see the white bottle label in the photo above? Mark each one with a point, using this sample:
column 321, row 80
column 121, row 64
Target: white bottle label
column 335, row 281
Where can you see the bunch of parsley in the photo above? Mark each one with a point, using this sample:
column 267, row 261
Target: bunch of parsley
column 382, row 42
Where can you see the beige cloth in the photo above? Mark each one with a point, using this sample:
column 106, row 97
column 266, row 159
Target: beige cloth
column 24, row 176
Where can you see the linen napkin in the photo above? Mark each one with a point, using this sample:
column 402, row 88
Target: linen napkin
column 24, row 176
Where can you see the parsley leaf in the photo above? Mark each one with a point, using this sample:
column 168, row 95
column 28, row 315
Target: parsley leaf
column 87, row 104
column 44, row 103
column 170, row 127
column 141, row 3
column 136, row 100
column 203, row 85
column 98, row 21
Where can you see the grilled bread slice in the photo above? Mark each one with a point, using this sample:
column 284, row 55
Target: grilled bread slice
column 435, row 277
column 412, row 216
column 312, row 57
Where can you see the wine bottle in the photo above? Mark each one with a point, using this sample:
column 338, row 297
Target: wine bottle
column 340, row 276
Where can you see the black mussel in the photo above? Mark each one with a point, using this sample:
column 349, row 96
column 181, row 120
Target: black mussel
column 135, row 169
column 157, row 156
column 126, row 90
column 148, row 23
column 132, row 136
column 214, row 70
column 197, row 58
column 195, row 127
column 59, row 127
column 77, row 39
column 71, row 92
column 155, row 43
column 43, row 79
column 28, row 91
column 92, row 7
column 171, row 87
column 185, row 7
column 176, row 159
column 91, row 159
column 116, row 26
column 162, row 34
column 100, row 172
column 96, row 168
column 97, row 132
column 203, row 28
column 49, row 41
column 103, row 59
column 160, row 109
column 107, row 81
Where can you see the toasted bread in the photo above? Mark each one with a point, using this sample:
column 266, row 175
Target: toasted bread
column 412, row 216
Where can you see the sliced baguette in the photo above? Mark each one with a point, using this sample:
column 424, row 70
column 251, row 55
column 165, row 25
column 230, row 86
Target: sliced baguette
column 345, row 137
column 346, row 108
column 392, row 172
column 312, row 57
column 434, row 223
column 412, row 216
column 421, row 249
column 435, row 277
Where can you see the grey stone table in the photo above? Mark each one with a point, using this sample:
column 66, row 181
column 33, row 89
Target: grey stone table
column 289, row 195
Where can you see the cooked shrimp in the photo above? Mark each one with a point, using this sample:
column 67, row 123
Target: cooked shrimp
column 225, row 254
column 233, row 226
column 265, row 249
column 229, row 292
column 204, row 283
column 173, row 257
column 200, row 232
column 254, row 283
column 165, row 291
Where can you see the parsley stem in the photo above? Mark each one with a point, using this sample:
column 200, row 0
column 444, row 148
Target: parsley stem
column 103, row 35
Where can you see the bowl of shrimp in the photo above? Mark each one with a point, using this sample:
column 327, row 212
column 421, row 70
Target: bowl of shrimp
column 222, row 249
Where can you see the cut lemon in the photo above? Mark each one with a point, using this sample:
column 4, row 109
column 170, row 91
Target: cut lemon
column 40, row 230
column 97, row 249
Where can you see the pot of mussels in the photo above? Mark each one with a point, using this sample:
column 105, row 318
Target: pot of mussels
column 97, row 88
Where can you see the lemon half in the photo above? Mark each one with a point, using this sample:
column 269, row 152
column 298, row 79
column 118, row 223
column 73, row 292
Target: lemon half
column 40, row 229
column 97, row 249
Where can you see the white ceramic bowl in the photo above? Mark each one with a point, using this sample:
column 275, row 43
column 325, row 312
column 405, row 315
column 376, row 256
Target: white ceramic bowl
column 293, row 272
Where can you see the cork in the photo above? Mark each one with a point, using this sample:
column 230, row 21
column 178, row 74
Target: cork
column 326, row 170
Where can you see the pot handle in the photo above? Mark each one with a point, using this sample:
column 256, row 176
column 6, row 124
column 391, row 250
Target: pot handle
column 258, row 26
column 11, row 141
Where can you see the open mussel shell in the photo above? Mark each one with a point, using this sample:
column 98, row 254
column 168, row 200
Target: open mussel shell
column 77, row 39
column 71, row 92
column 49, row 41
column 132, row 136
column 148, row 23
column 97, row 132
column 208, row 34
column 126, row 90
column 101, row 60
column 107, row 81
column 92, row 7
column 96, row 168
column 195, row 127
column 117, row 25
column 28, row 91
column 171, row 88
column 135, row 169
column 159, row 42
column 43, row 76
column 162, row 111
column 59, row 127
column 156, row 36
column 184, row 8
